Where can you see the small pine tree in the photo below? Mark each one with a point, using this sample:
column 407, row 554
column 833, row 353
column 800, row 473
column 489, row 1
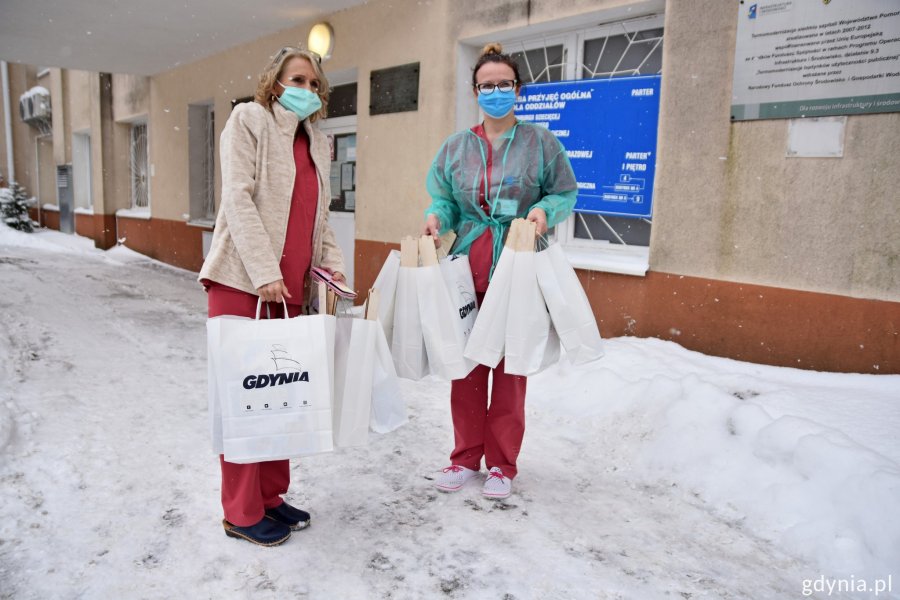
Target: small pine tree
column 14, row 205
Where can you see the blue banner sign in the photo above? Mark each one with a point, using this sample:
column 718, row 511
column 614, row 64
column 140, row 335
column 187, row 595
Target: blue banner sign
column 608, row 127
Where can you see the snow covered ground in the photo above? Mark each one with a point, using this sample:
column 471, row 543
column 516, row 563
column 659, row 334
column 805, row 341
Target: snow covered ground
column 654, row 473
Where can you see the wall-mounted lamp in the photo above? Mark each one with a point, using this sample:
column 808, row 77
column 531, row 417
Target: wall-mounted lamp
column 321, row 40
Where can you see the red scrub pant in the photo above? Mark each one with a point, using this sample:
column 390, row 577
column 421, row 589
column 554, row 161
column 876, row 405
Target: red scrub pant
column 494, row 432
column 249, row 489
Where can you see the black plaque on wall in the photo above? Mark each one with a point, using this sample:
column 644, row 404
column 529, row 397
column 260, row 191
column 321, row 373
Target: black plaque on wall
column 395, row 89
column 342, row 101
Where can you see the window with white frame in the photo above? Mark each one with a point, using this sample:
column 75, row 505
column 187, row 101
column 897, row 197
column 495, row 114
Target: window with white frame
column 140, row 167
column 202, row 162
column 625, row 48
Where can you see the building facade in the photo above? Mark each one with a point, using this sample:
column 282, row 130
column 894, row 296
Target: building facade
column 750, row 253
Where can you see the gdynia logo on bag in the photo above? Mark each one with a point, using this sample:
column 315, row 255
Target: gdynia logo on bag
column 469, row 305
column 287, row 370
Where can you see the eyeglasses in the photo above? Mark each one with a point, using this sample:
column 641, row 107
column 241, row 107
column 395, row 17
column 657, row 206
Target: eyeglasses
column 288, row 49
column 488, row 88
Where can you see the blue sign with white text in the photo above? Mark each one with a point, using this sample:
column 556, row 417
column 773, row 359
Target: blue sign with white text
column 608, row 127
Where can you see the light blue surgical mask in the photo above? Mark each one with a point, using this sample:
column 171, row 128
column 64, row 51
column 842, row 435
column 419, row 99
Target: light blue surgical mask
column 497, row 104
column 300, row 101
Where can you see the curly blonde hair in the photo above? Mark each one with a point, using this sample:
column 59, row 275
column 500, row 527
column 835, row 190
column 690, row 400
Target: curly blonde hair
column 265, row 89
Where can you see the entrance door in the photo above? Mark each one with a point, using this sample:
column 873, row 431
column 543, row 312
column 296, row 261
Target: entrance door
column 343, row 197
column 340, row 127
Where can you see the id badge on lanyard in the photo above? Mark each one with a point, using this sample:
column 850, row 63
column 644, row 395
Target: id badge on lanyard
column 507, row 207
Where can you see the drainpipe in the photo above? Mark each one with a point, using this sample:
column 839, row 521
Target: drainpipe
column 7, row 125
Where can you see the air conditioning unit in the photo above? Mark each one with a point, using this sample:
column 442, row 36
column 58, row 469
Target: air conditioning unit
column 34, row 105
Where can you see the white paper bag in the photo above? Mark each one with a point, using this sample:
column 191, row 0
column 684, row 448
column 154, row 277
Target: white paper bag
column 569, row 307
column 388, row 407
column 408, row 342
column 447, row 310
column 215, row 406
column 488, row 337
column 273, row 386
column 354, row 365
column 529, row 345
column 457, row 275
column 386, row 284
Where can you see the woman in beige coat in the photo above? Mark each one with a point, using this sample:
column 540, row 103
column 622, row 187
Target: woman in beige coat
column 271, row 228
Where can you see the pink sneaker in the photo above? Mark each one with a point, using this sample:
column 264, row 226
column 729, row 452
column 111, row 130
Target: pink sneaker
column 496, row 485
column 453, row 478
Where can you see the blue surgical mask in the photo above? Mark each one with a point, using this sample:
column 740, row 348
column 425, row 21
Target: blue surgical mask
column 497, row 104
column 300, row 101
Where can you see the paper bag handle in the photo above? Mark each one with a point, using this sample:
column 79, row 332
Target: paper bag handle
column 372, row 299
column 409, row 252
column 427, row 251
column 527, row 236
column 259, row 304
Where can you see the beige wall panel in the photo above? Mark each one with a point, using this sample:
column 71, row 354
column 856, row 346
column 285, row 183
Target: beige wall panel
column 693, row 143
column 168, row 138
column 825, row 224
column 729, row 203
column 46, row 185
column 121, row 168
column 131, row 97
column 111, row 183
column 96, row 114
column 21, row 79
column 79, row 101
column 57, row 87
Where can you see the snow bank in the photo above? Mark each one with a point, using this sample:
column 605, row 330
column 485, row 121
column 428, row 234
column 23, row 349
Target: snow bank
column 54, row 241
column 811, row 488
column 706, row 425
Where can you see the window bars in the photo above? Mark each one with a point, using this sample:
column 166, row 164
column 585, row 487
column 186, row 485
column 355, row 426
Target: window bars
column 140, row 181
column 623, row 49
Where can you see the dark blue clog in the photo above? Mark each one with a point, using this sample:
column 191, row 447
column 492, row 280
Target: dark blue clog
column 286, row 514
column 265, row 533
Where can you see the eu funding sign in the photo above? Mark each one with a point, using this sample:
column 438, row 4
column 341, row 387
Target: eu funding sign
column 608, row 127
column 805, row 58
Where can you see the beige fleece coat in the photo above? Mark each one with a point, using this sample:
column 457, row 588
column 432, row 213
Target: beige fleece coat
column 258, row 170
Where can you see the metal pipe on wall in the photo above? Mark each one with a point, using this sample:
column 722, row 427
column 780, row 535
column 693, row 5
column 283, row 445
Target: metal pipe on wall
column 7, row 123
